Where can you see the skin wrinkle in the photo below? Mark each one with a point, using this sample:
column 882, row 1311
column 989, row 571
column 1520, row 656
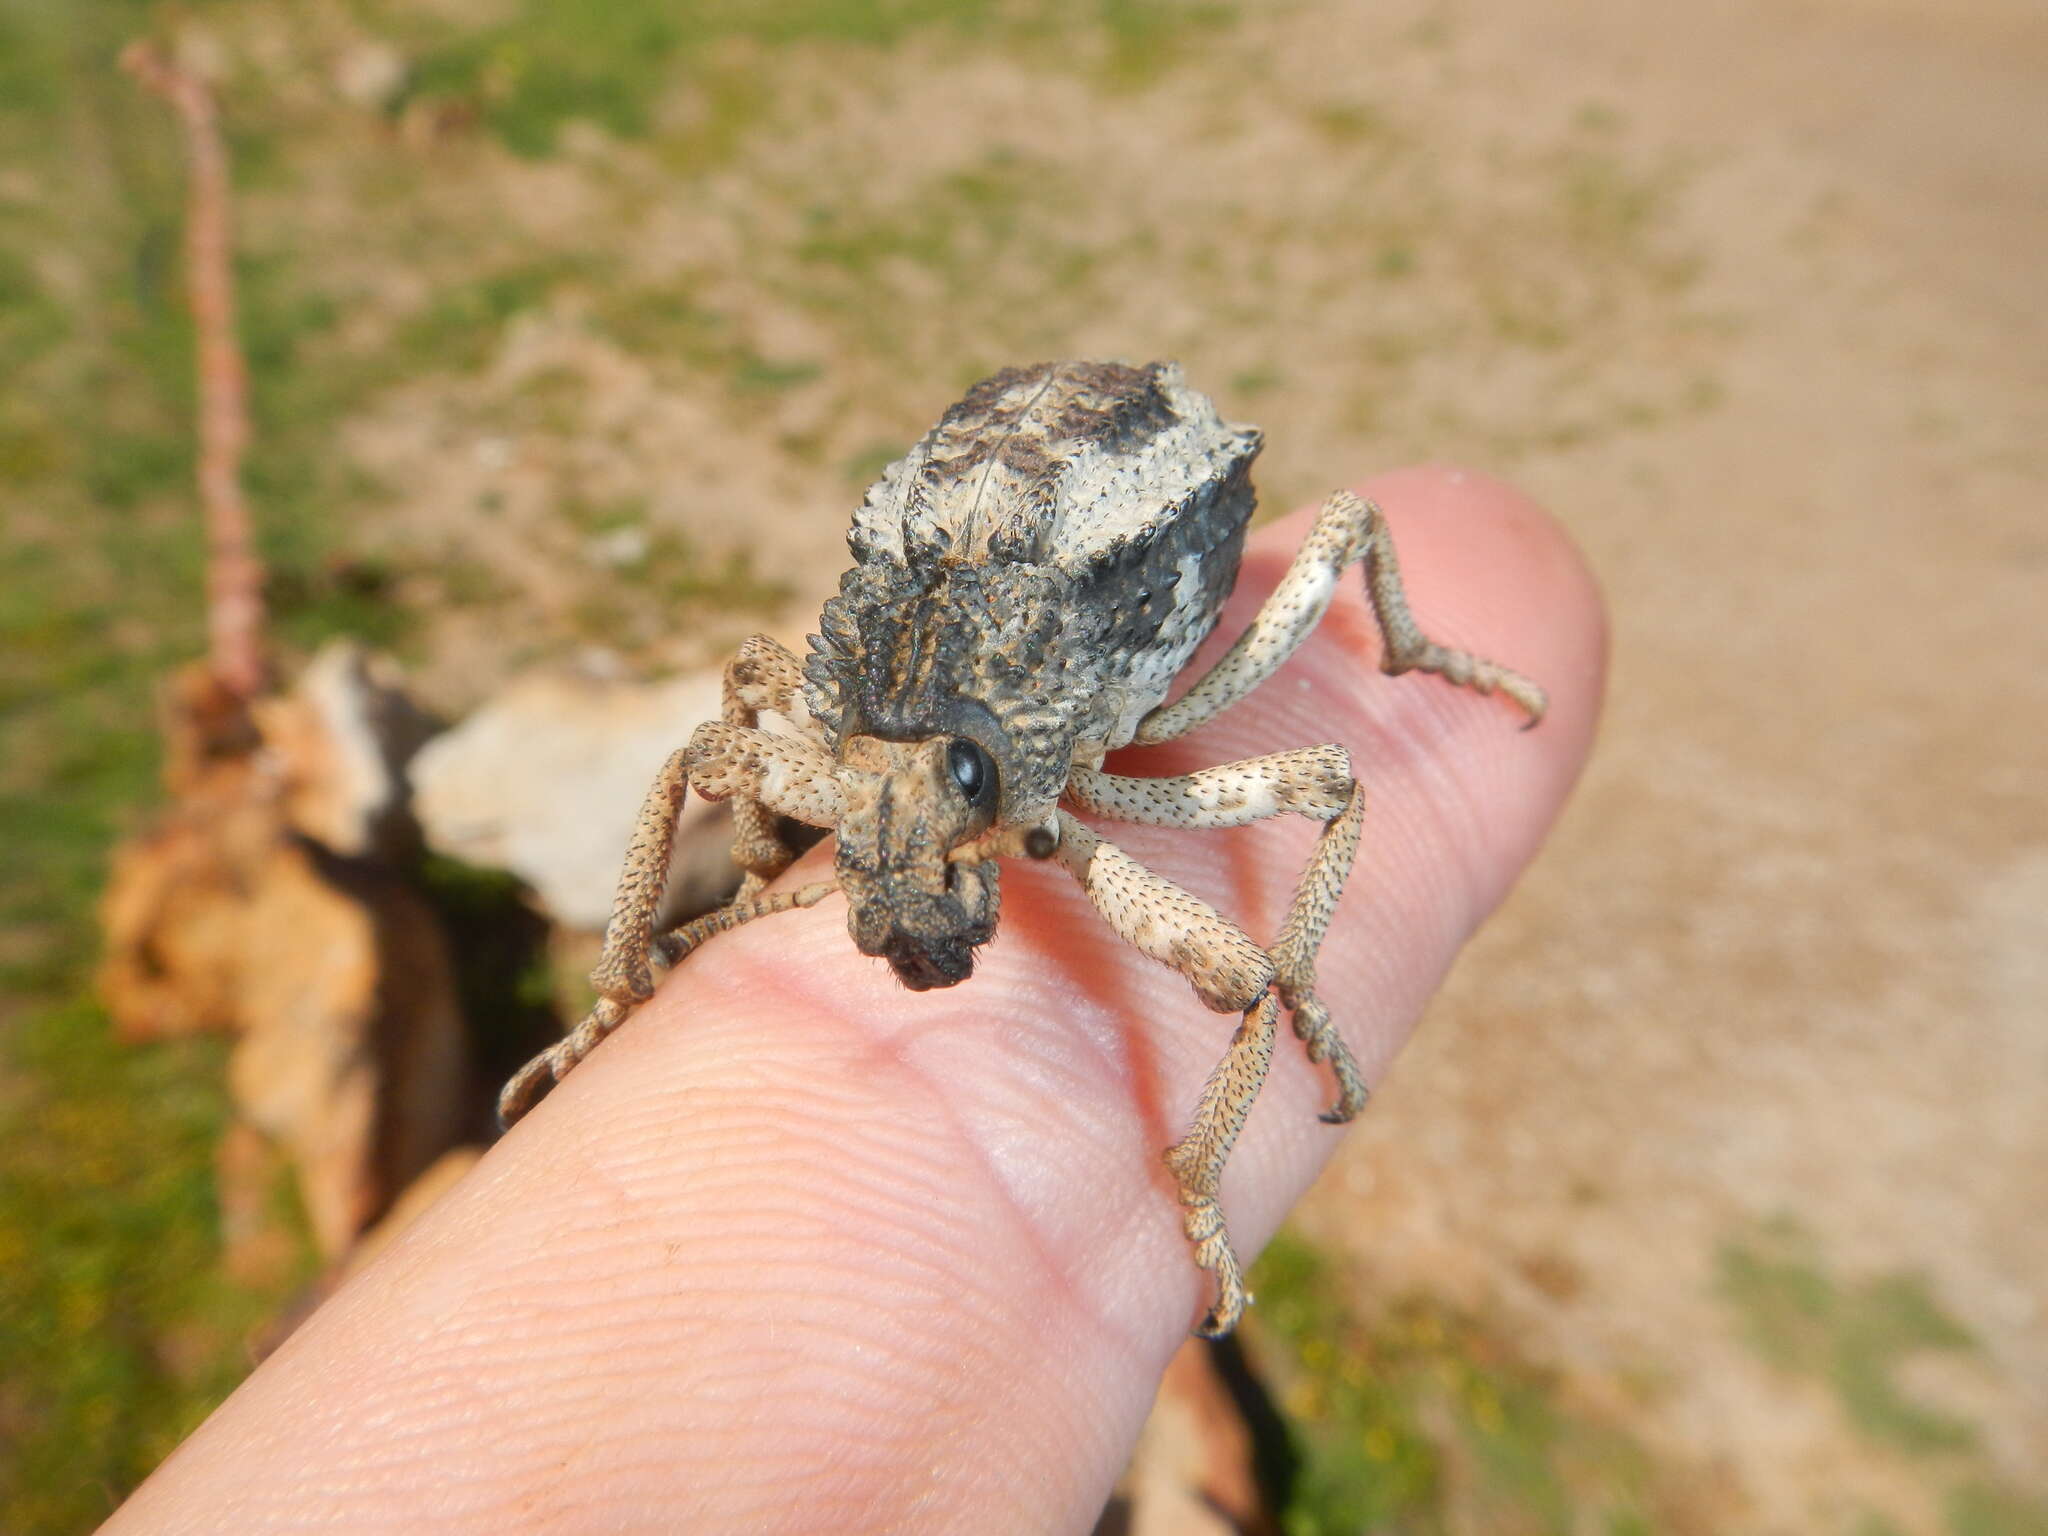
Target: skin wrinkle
column 1101, row 979
column 594, row 1399
column 1027, row 1227
column 1065, row 1281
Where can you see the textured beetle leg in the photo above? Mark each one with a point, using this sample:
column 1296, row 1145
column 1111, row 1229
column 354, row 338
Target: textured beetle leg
column 791, row 776
column 1232, row 975
column 678, row 942
column 1310, row 781
column 1197, row 1159
column 555, row 1063
column 1294, row 956
column 622, row 976
column 786, row 775
column 1408, row 649
column 1348, row 528
column 762, row 674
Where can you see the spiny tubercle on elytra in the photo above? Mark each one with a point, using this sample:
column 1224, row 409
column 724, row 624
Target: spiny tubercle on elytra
column 1028, row 582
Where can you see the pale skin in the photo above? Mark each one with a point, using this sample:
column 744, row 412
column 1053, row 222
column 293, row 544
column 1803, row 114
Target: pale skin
column 798, row 1250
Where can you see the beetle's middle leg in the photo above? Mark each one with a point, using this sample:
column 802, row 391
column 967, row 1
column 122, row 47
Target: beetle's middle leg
column 1348, row 528
column 1310, row 781
column 1229, row 973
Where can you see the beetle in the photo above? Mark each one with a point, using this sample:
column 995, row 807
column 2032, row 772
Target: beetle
column 1028, row 583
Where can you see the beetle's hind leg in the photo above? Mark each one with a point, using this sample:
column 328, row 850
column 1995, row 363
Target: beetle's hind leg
column 1301, row 937
column 1231, row 974
column 1348, row 528
column 1197, row 1159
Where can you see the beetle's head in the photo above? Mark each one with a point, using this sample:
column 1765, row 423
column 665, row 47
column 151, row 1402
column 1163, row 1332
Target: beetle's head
column 912, row 808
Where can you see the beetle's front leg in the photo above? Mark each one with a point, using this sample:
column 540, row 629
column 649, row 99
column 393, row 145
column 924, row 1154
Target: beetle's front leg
column 789, row 775
column 1232, row 975
column 762, row 675
column 622, row 976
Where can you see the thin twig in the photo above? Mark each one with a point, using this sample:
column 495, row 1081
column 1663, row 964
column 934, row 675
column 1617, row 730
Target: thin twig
column 234, row 573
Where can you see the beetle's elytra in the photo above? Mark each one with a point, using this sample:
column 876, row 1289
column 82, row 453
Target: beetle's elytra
column 1029, row 580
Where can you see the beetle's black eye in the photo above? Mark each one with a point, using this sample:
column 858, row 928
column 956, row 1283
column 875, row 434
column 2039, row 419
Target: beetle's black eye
column 971, row 770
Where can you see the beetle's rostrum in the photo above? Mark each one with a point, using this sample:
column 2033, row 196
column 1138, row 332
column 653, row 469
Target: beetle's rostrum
column 1028, row 582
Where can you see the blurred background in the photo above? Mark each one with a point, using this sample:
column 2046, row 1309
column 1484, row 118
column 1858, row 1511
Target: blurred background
column 1712, row 1196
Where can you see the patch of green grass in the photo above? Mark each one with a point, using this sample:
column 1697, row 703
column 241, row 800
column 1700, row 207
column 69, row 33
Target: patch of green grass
column 614, row 64
column 462, row 325
column 1608, row 202
column 1002, row 212
column 1854, row 1336
column 756, row 374
column 620, row 64
column 958, row 216
column 669, row 327
column 1419, row 1420
column 678, row 576
column 1350, row 122
column 117, row 1329
column 1148, row 37
column 550, row 63
column 596, row 517
column 666, row 324
column 1990, row 1509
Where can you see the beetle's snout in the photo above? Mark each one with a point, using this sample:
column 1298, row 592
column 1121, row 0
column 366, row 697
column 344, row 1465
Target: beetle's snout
column 928, row 936
column 907, row 901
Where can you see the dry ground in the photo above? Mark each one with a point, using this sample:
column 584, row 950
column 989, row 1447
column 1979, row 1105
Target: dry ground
column 1734, row 1125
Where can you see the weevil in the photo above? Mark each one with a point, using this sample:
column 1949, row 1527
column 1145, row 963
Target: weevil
column 1028, row 583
